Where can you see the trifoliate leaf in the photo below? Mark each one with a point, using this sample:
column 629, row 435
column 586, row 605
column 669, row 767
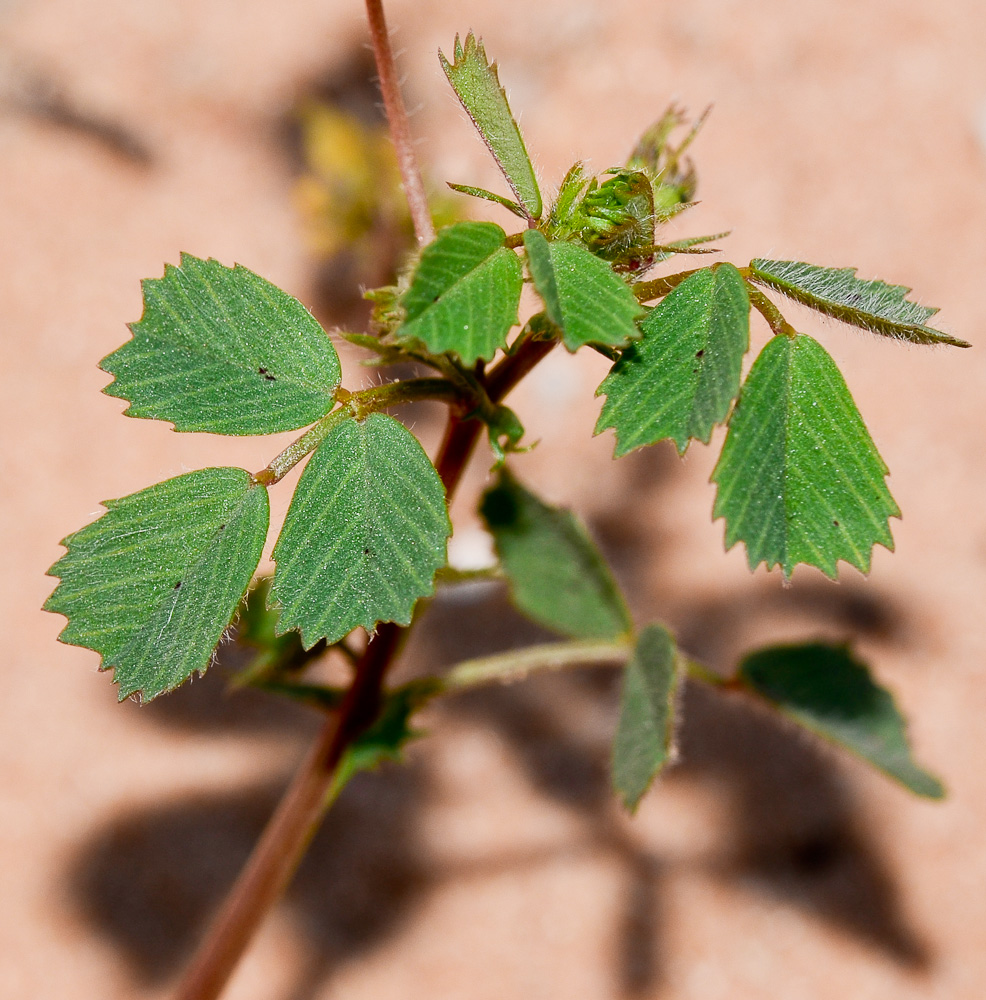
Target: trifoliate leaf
column 464, row 294
column 557, row 576
column 827, row 690
column 837, row 292
column 644, row 737
column 680, row 380
column 800, row 480
column 476, row 83
column 220, row 349
column 365, row 533
column 152, row 585
column 582, row 295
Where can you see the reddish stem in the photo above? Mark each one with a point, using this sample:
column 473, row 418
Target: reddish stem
column 400, row 130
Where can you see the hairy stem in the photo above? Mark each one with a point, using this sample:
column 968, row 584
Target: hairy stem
column 357, row 405
column 518, row 663
column 647, row 290
column 400, row 130
column 775, row 320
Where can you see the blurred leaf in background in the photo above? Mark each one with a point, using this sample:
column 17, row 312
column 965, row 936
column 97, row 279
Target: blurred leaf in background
column 355, row 215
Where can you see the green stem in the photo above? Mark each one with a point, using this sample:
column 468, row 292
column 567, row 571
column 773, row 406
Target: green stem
column 647, row 290
column 700, row 672
column 518, row 663
column 777, row 323
column 357, row 406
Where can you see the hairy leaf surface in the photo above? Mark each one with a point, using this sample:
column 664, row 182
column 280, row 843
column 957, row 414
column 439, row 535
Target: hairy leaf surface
column 680, row 380
column 557, row 576
column 153, row 583
column 582, row 295
column 464, row 294
column 827, row 690
column 837, row 292
column 645, row 733
column 220, row 349
column 476, row 83
column 800, row 480
column 365, row 533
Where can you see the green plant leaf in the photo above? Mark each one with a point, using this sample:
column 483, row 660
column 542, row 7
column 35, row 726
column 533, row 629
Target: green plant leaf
column 220, row 349
column 688, row 245
column 582, row 296
column 827, row 690
column 365, row 533
column 386, row 738
column 680, row 380
column 837, row 292
column 557, row 576
column 476, row 83
column 505, row 431
column 153, row 584
column 477, row 192
column 465, row 292
column 644, row 739
column 800, row 480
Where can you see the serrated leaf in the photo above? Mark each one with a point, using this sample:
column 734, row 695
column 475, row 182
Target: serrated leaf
column 680, row 380
column 365, row 533
column 220, row 349
column 476, row 83
column 153, row 584
column 557, row 576
column 644, row 739
column 465, row 292
column 837, row 292
column 827, row 690
column 800, row 480
column 582, row 296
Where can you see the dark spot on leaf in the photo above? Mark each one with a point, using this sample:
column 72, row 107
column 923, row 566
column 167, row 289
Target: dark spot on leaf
column 366, row 552
column 836, row 523
column 178, row 585
column 266, row 374
column 701, row 353
column 221, row 527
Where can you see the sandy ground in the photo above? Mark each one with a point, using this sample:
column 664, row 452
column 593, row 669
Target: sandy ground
column 495, row 865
